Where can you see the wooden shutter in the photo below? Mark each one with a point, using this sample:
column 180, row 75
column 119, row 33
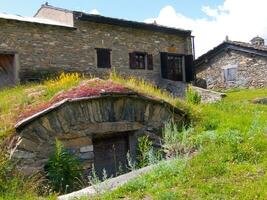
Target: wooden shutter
column 164, row 64
column 103, row 58
column 150, row 62
column 132, row 60
column 189, row 68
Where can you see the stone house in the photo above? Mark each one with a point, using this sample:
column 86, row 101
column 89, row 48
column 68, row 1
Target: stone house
column 233, row 64
column 56, row 40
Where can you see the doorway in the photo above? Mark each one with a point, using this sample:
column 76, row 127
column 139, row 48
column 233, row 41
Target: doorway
column 7, row 70
column 110, row 154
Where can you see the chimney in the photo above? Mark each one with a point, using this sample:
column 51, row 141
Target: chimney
column 257, row 41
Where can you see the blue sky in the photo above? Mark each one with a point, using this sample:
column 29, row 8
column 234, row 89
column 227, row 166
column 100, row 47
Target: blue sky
column 128, row 9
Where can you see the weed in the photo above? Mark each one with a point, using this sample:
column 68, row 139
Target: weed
column 63, row 170
column 175, row 142
column 144, row 148
column 192, row 96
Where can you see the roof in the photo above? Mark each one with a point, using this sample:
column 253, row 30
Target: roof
column 233, row 45
column 33, row 20
column 91, row 89
column 121, row 22
column 97, row 19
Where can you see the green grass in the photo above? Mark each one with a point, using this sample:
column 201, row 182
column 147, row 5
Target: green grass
column 231, row 162
column 16, row 100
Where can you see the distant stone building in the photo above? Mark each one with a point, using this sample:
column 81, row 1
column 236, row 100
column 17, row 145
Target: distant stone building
column 233, row 64
column 57, row 40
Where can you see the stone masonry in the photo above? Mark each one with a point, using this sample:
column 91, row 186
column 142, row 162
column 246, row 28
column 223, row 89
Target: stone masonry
column 77, row 122
column 251, row 70
column 46, row 49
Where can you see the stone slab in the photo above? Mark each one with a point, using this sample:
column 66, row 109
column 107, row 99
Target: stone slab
column 77, row 143
column 87, row 148
column 27, row 145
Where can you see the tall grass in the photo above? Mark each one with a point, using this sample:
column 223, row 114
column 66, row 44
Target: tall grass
column 149, row 89
column 231, row 161
column 14, row 185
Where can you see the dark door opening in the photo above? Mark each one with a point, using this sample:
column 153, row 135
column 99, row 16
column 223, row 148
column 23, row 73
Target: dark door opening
column 172, row 66
column 111, row 154
column 7, row 70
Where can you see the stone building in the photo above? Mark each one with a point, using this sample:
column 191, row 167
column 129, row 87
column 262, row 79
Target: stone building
column 233, row 64
column 57, row 40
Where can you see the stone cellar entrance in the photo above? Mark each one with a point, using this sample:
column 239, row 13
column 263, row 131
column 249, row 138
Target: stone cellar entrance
column 99, row 131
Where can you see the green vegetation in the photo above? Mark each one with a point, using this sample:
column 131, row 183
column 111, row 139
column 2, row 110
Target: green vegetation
column 192, row 96
column 22, row 98
column 149, row 89
column 222, row 155
column 63, row 170
column 15, row 186
column 231, row 157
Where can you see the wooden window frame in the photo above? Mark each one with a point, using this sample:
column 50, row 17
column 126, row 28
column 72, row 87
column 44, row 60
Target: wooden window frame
column 100, row 61
column 140, row 60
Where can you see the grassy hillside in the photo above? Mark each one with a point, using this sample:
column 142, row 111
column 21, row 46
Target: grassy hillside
column 231, row 162
column 24, row 100
column 229, row 137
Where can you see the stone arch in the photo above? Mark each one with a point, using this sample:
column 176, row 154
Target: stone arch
column 80, row 122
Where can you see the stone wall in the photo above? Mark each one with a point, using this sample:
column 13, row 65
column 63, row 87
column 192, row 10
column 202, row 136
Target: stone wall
column 251, row 70
column 208, row 96
column 77, row 122
column 44, row 50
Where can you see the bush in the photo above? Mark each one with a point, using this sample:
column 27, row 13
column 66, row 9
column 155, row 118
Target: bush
column 192, row 96
column 176, row 142
column 144, row 147
column 63, row 170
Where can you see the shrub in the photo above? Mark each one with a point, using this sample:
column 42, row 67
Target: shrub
column 144, row 151
column 63, row 170
column 192, row 96
column 176, row 142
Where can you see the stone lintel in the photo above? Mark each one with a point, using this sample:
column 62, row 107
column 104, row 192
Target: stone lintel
column 113, row 127
column 77, row 143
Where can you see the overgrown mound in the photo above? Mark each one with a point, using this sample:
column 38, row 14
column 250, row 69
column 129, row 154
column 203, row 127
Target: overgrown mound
column 90, row 88
column 25, row 100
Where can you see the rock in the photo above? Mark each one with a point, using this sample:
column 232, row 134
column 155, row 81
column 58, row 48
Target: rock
column 20, row 154
column 77, row 142
column 71, row 135
column 87, row 156
column 260, row 101
column 87, row 148
column 27, row 145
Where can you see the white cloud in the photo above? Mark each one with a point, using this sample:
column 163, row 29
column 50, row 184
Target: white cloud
column 240, row 20
column 94, row 12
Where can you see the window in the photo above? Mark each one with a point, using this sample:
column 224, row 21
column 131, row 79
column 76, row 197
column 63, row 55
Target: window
column 230, row 73
column 141, row 60
column 103, row 58
column 172, row 66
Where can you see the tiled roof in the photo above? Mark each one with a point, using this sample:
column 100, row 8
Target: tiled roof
column 234, row 45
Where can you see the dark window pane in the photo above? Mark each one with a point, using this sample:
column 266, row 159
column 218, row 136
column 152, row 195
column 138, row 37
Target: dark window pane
column 103, row 58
